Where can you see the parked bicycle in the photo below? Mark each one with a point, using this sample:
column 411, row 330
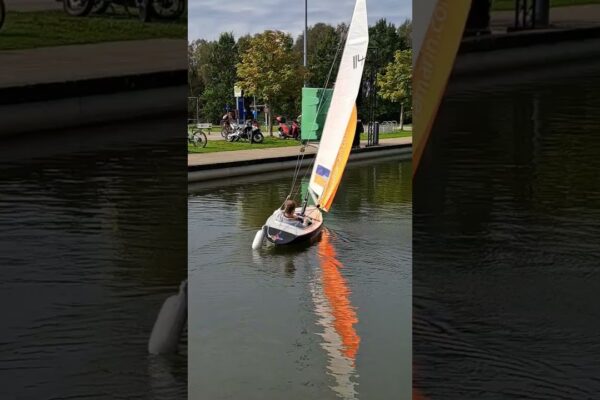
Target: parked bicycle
column 228, row 124
column 148, row 9
column 197, row 137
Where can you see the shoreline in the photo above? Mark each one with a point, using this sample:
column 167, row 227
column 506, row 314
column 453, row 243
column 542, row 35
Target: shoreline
column 282, row 159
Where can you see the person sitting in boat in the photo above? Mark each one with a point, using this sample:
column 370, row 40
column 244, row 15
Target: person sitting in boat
column 289, row 213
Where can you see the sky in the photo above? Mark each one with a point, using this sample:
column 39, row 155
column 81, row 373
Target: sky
column 208, row 18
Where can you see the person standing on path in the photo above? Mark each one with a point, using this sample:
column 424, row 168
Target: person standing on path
column 359, row 130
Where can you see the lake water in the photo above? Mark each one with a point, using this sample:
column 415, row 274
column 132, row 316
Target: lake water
column 506, row 259
column 328, row 321
column 92, row 241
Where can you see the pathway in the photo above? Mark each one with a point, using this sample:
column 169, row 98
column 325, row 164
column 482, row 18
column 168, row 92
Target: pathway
column 32, row 5
column 102, row 60
column 581, row 16
column 262, row 154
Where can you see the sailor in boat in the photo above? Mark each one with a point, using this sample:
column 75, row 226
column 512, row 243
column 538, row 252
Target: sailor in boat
column 290, row 216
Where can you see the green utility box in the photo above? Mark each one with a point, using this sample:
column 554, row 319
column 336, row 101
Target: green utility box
column 315, row 104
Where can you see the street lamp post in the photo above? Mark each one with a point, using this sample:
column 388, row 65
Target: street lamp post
column 305, row 35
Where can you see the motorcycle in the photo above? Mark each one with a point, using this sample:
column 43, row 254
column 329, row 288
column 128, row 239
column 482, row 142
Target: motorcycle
column 250, row 131
column 288, row 131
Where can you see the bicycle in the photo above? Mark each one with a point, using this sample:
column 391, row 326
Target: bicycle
column 228, row 128
column 197, row 137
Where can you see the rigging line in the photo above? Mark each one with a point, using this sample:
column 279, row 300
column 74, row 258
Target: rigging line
column 296, row 171
column 344, row 37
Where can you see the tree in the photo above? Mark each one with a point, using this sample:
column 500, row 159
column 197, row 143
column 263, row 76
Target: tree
column 323, row 43
column 384, row 36
column 194, row 80
column 271, row 70
column 405, row 34
column 242, row 44
column 395, row 83
column 218, row 62
column 385, row 40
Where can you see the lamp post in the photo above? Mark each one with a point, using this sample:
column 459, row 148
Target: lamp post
column 305, row 35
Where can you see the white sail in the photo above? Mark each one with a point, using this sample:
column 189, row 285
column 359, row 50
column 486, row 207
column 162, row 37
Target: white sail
column 338, row 132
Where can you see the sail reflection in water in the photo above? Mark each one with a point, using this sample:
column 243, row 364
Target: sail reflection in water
column 337, row 316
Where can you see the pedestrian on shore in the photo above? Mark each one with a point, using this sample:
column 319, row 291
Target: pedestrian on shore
column 357, row 133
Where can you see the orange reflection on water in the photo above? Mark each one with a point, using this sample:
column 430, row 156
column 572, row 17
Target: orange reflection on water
column 338, row 295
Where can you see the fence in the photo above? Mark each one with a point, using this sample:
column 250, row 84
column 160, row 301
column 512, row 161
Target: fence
column 385, row 127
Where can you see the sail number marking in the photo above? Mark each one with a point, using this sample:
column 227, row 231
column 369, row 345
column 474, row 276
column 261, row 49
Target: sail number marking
column 357, row 59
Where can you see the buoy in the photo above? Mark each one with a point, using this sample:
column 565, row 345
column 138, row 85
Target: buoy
column 169, row 323
column 258, row 239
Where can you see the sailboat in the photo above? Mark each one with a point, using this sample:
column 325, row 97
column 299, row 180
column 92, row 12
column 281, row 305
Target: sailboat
column 334, row 147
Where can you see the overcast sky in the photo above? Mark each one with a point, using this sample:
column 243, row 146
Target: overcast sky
column 208, row 18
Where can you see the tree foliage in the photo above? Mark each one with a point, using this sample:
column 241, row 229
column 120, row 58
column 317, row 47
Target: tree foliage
column 269, row 65
column 395, row 82
column 216, row 67
column 323, row 44
column 384, row 40
column 271, row 70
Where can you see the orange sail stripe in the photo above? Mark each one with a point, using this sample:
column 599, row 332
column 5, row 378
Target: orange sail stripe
column 435, row 62
column 340, row 163
column 338, row 295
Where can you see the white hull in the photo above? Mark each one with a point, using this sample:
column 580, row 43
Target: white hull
column 280, row 230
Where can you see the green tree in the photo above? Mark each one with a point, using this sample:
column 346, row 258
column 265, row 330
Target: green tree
column 218, row 62
column 194, row 80
column 242, row 44
column 271, row 70
column 384, row 40
column 405, row 34
column 323, row 43
column 395, row 83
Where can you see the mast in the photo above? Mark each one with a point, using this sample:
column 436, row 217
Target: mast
column 305, row 35
column 340, row 124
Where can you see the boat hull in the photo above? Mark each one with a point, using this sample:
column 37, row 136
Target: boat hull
column 281, row 233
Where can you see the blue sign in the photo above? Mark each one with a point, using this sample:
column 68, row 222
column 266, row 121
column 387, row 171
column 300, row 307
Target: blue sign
column 241, row 109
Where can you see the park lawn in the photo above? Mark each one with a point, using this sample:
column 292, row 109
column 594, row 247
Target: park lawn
column 214, row 146
column 503, row 5
column 397, row 134
column 25, row 30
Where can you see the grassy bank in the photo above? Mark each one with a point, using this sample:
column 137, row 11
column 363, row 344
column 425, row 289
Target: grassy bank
column 25, row 30
column 222, row 145
column 396, row 134
column 503, row 5
column 407, row 131
column 270, row 142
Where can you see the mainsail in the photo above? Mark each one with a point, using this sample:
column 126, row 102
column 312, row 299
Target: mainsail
column 340, row 125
